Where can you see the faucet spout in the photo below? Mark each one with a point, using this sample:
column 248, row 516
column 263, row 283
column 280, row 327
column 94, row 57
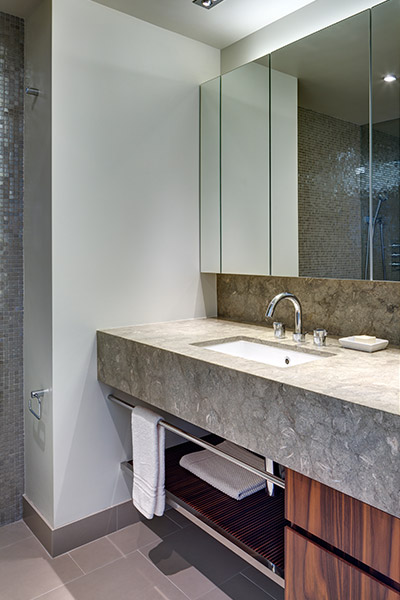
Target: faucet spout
column 298, row 335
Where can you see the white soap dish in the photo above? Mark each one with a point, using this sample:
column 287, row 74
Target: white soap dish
column 351, row 342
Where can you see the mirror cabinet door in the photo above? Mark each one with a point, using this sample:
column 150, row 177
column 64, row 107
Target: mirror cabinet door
column 284, row 185
column 245, row 170
column 385, row 197
column 210, row 243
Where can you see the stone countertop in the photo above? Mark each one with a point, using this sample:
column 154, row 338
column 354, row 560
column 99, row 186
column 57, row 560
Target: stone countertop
column 336, row 420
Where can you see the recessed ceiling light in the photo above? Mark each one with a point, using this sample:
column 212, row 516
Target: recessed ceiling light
column 207, row 3
column 389, row 78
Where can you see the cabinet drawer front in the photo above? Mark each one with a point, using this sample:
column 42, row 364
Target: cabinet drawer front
column 313, row 573
column 361, row 531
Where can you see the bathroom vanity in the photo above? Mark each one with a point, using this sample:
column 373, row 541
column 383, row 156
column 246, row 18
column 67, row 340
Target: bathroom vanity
column 333, row 422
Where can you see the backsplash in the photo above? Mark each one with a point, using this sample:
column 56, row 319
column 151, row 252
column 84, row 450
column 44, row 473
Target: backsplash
column 11, row 267
column 342, row 306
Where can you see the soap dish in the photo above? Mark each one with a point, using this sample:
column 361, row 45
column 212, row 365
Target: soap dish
column 350, row 342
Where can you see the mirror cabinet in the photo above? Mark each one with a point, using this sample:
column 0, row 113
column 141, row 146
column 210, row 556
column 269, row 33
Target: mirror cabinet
column 300, row 157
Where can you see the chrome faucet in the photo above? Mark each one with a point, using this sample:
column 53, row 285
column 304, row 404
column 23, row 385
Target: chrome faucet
column 298, row 335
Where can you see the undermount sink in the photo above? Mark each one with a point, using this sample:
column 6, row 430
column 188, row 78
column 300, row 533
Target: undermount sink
column 263, row 353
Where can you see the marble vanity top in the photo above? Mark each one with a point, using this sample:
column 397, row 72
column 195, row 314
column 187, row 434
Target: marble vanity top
column 336, row 420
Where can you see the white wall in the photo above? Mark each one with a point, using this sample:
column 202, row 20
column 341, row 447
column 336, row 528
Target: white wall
column 303, row 22
column 37, row 260
column 125, row 221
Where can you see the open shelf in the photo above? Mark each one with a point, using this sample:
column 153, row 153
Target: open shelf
column 254, row 525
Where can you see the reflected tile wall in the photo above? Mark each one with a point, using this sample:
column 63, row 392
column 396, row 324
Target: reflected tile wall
column 329, row 196
column 11, row 267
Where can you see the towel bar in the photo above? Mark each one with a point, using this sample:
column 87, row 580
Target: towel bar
column 192, row 438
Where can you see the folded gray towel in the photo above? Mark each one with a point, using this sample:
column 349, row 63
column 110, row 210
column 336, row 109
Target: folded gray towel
column 227, row 477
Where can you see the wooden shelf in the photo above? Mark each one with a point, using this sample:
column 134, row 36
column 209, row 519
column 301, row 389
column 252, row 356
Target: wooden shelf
column 254, row 525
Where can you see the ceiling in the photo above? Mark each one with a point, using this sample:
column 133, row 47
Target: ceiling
column 332, row 68
column 220, row 26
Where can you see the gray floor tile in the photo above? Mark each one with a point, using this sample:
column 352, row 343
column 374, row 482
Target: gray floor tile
column 193, row 561
column 269, row 586
column 95, row 555
column 164, row 525
column 143, row 533
column 9, row 534
column 129, row 578
column 178, row 518
column 26, row 570
column 133, row 537
column 237, row 588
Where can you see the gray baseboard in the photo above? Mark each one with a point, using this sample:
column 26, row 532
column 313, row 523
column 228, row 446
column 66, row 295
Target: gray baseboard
column 66, row 538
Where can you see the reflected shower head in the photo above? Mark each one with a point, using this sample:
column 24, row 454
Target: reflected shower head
column 383, row 196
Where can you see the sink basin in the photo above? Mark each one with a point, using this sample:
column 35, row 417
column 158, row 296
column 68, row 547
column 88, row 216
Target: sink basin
column 263, row 353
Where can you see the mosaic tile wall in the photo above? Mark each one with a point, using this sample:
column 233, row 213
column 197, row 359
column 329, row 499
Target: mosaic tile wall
column 11, row 267
column 385, row 182
column 329, row 206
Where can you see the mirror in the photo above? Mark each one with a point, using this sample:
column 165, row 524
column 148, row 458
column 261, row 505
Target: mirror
column 332, row 207
column 385, row 197
column 332, row 70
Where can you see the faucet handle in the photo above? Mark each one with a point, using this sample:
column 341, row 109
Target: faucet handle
column 279, row 330
column 320, row 337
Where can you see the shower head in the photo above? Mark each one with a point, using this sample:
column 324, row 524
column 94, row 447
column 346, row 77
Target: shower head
column 383, row 196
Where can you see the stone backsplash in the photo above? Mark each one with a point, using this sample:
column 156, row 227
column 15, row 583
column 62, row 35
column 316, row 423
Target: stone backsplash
column 342, row 306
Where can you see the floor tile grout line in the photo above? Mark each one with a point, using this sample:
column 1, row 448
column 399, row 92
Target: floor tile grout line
column 49, row 591
column 17, row 542
column 66, row 583
column 57, row 587
column 175, row 522
column 93, row 542
column 103, row 566
column 161, row 573
column 123, row 555
column 144, row 523
column 73, row 560
column 227, row 579
column 256, row 584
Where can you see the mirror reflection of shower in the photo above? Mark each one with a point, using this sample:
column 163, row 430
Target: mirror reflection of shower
column 376, row 221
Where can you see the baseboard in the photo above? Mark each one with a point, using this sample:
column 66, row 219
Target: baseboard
column 66, row 538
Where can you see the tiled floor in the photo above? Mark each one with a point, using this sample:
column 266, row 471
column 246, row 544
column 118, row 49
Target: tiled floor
column 167, row 558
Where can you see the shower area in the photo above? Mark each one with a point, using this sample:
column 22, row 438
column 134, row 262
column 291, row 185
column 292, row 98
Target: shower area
column 11, row 267
column 349, row 146
column 385, row 225
column 340, row 207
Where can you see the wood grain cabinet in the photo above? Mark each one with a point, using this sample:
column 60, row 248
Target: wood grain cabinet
column 338, row 548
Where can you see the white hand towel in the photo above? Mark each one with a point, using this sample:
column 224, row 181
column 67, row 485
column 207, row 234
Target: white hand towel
column 148, row 442
column 233, row 480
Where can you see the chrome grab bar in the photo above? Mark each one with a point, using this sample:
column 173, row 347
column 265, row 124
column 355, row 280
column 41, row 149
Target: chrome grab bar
column 192, row 438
